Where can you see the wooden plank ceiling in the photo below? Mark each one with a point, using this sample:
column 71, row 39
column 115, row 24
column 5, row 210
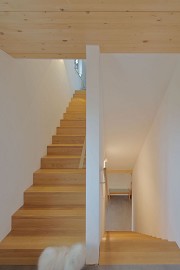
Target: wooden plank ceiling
column 62, row 28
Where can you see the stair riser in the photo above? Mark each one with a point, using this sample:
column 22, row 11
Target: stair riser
column 77, row 100
column 71, row 131
column 76, row 108
column 64, row 223
column 76, row 104
column 53, row 163
column 140, row 246
column 57, row 182
column 82, row 92
column 15, row 257
column 79, row 96
column 54, row 199
column 134, row 258
column 74, row 116
column 61, row 150
column 68, row 139
column 73, row 123
column 59, row 179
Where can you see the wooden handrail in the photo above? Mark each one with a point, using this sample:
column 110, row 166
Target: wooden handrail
column 81, row 162
column 106, row 184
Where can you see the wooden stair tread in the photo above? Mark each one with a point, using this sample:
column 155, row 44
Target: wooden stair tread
column 79, row 96
column 55, row 171
column 139, row 245
column 82, row 91
column 64, row 149
column 76, row 109
column 68, row 138
column 78, row 100
column 53, row 161
column 56, row 189
column 71, row 129
column 49, row 212
column 117, row 258
column 46, row 232
column 65, row 145
column 75, row 113
column 61, row 156
column 39, row 242
column 73, row 123
column 60, row 177
column 116, row 235
column 69, row 135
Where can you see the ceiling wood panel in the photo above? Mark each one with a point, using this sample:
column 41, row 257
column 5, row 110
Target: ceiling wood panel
column 89, row 5
column 62, row 29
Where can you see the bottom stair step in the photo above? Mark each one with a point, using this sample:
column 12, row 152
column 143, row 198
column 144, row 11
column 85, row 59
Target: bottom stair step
column 25, row 249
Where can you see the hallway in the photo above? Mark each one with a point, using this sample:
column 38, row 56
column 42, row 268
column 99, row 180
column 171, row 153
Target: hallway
column 119, row 214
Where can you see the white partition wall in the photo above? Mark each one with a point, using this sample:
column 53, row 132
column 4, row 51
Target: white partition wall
column 93, row 154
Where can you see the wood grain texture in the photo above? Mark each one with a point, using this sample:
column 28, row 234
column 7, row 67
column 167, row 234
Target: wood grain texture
column 89, row 5
column 68, row 139
column 55, row 196
column 72, row 123
column 132, row 248
column 62, row 29
column 59, row 177
column 64, row 149
column 64, row 219
column 59, row 161
column 71, row 131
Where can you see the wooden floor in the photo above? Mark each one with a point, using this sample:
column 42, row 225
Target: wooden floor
column 118, row 248
column 53, row 213
column 102, row 267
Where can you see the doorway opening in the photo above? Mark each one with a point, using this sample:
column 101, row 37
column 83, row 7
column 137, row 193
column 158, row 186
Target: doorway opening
column 119, row 203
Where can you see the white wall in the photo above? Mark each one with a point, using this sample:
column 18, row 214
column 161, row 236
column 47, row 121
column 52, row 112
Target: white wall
column 33, row 97
column 94, row 156
column 133, row 86
column 119, row 180
column 156, row 176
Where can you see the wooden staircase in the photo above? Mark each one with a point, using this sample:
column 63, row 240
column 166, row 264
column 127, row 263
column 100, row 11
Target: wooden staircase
column 54, row 206
column 134, row 248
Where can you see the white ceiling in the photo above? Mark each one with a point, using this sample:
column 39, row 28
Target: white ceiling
column 133, row 87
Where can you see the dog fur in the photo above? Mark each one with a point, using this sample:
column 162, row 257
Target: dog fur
column 62, row 258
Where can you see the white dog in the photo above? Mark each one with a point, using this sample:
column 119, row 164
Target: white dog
column 62, row 258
